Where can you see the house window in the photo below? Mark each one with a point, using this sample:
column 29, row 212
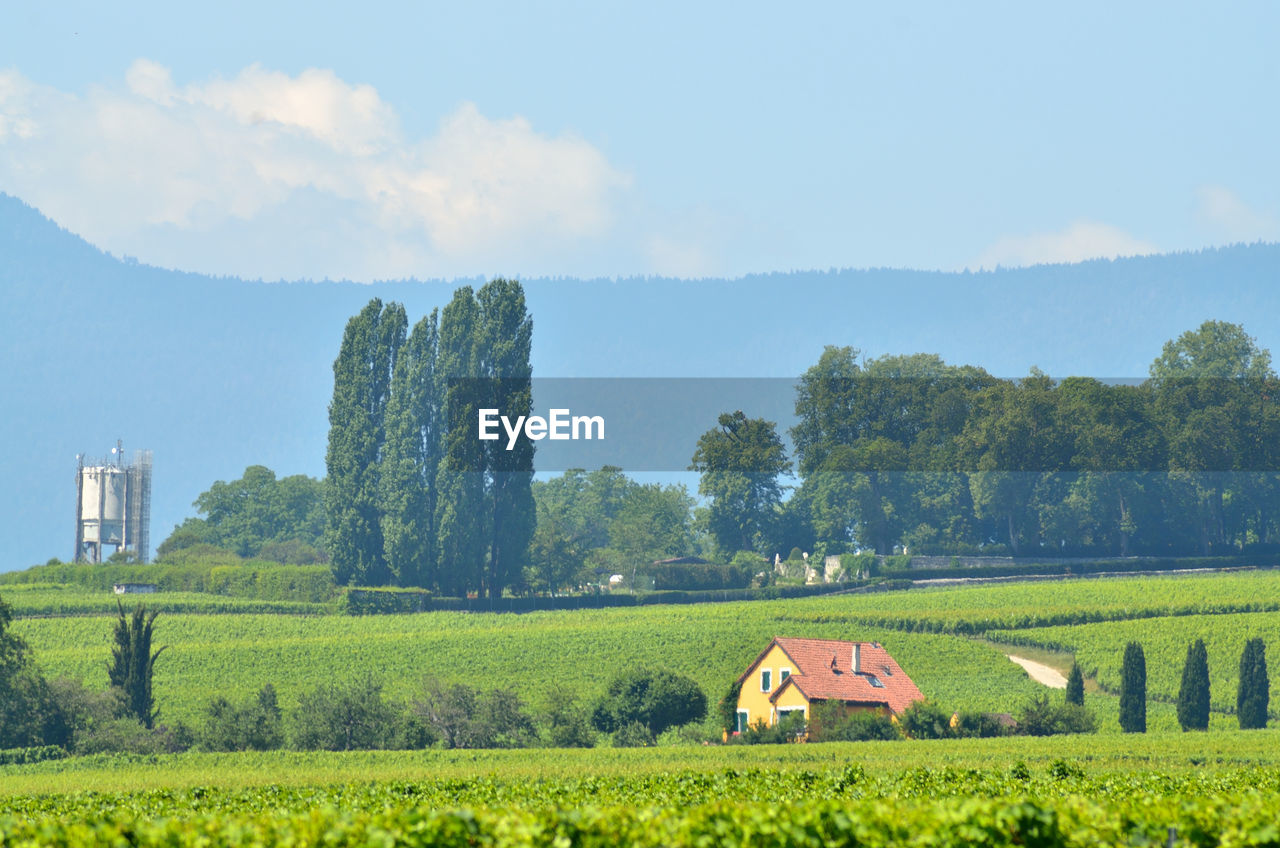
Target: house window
column 874, row 681
column 783, row 675
column 742, row 721
column 766, row 679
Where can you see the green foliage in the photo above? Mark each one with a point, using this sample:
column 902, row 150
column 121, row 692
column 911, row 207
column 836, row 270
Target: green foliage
column 384, row 601
column 1193, row 694
column 568, row 723
column 462, row 716
column 36, row 754
column 925, row 720
column 1075, row 686
column 411, row 459
column 1042, row 717
column 133, row 663
column 253, row 725
column 257, row 516
column 338, row 717
column 790, row 727
column 1254, row 691
column 23, row 698
column 633, row 734
column 656, row 700
column 362, row 375
column 801, row 803
column 831, row 722
column 975, row 725
column 699, row 576
column 740, row 461
column 1133, row 690
column 728, row 708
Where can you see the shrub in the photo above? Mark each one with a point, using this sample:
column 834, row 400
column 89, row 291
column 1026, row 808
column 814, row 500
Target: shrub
column 347, row 717
column 729, row 707
column 789, row 728
column 831, row 722
column 970, row 725
column 254, row 725
column 1042, row 717
column 656, row 700
column 925, row 720
column 633, row 735
column 569, row 724
column 462, row 716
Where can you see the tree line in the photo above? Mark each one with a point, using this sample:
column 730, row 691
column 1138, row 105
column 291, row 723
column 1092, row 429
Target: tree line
column 411, row 496
column 908, row 453
column 896, row 454
column 1253, row 690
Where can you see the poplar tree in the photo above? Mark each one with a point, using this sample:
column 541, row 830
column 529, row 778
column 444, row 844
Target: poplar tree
column 1133, row 690
column 1193, row 695
column 411, row 460
column 460, row 514
column 1255, row 688
column 1075, row 685
column 362, row 376
column 506, row 339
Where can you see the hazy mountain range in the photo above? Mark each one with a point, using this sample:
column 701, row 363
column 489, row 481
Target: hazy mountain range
column 214, row 374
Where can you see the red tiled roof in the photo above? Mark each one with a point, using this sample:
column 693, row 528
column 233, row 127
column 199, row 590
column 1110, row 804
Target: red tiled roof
column 817, row 679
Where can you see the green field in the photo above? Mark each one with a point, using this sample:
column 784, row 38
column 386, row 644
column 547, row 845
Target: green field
column 237, row 650
column 534, row 654
column 1213, row 788
column 1217, row 788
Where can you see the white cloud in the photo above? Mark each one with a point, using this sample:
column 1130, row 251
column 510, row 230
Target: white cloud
column 266, row 174
column 1080, row 241
column 1230, row 219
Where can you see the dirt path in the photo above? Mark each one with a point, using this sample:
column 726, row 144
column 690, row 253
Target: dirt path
column 1041, row 673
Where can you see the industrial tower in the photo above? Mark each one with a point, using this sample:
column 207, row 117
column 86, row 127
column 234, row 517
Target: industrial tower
column 113, row 505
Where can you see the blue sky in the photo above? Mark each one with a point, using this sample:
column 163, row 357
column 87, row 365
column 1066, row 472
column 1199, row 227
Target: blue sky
column 442, row 140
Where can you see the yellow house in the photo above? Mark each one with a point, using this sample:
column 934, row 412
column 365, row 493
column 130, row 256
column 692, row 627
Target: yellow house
column 792, row 675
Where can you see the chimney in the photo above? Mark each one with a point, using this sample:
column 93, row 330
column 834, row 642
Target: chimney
column 857, row 657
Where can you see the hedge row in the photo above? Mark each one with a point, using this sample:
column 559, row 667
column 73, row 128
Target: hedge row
column 1050, row 568
column 26, row 756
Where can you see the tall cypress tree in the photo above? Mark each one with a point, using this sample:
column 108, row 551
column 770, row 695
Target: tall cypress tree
column 410, row 460
column 507, row 333
column 1133, row 690
column 362, row 376
column 132, row 662
column 1254, row 694
column 461, row 516
column 1075, row 685
column 1193, row 695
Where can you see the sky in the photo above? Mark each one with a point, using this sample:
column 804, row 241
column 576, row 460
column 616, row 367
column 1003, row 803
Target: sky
column 433, row 140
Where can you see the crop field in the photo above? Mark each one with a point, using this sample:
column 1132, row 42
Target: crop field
column 1219, row 788
column 232, row 646
column 533, row 654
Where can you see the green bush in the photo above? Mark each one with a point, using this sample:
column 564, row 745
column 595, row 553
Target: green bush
column 1043, row 717
column 832, row 723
